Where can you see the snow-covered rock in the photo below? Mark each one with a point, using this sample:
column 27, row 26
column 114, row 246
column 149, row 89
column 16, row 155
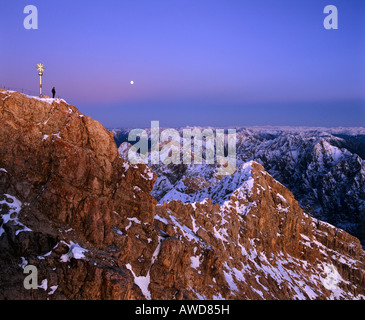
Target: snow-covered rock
column 321, row 166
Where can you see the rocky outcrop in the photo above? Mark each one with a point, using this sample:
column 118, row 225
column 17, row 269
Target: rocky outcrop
column 259, row 244
column 85, row 218
column 64, row 171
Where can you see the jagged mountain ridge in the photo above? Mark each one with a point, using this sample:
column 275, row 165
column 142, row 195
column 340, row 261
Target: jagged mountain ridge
column 259, row 233
column 86, row 219
column 321, row 166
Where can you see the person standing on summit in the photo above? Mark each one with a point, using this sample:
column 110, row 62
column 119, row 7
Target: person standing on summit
column 53, row 92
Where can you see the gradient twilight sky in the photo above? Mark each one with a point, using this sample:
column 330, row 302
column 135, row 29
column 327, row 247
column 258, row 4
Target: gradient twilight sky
column 194, row 62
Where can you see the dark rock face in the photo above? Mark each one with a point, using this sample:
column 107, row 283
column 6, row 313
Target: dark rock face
column 85, row 218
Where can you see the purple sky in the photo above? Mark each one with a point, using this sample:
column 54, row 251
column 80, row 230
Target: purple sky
column 194, row 62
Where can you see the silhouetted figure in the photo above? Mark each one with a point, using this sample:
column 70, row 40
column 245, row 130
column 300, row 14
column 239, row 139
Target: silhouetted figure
column 53, row 92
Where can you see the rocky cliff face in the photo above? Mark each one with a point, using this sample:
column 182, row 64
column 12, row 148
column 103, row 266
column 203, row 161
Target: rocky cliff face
column 63, row 171
column 85, row 218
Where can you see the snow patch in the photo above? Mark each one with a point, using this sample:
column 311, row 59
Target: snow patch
column 12, row 217
column 75, row 251
column 281, row 197
column 143, row 281
column 53, row 289
column 195, row 262
column 44, row 285
column 24, row 263
column 163, row 220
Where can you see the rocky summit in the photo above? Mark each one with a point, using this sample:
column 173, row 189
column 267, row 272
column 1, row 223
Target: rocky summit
column 85, row 219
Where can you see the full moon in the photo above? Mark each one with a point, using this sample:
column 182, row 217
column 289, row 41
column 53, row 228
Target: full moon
column 132, row 82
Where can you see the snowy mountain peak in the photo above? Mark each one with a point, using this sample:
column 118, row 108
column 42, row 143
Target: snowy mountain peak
column 258, row 242
column 332, row 153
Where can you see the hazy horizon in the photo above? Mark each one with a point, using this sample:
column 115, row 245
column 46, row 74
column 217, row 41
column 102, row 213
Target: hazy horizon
column 217, row 63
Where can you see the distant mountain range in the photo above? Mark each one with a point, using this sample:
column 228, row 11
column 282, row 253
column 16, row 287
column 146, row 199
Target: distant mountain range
column 323, row 167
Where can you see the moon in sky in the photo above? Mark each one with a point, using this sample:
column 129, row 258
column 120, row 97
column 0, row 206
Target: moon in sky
column 132, row 82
